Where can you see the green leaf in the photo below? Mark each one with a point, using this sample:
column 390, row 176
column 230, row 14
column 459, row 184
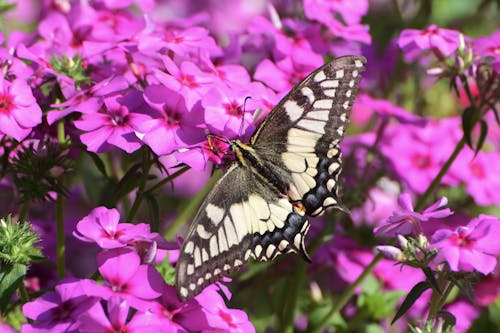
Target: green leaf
column 482, row 135
column 11, row 279
column 412, row 297
column 469, row 119
column 167, row 271
column 97, row 162
column 431, row 279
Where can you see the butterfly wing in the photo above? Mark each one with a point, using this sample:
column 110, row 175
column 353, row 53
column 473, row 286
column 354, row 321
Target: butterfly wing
column 241, row 217
column 300, row 138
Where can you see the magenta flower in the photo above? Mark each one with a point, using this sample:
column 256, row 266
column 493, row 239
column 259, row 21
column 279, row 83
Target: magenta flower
column 102, row 227
column 406, row 221
column 187, row 80
column 471, row 247
column 19, row 111
column 442, row 42
column 58, row 311
column 489, row 46
column 126, row 277
column 480, row 175
column 174, row 125
column 114, row 126
column 116, row 319
column 366, row 106
column 285, row 73
column 89, row 100
column 325, row 11
column 220, row 318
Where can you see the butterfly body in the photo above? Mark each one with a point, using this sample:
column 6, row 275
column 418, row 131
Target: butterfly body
column 288, row 171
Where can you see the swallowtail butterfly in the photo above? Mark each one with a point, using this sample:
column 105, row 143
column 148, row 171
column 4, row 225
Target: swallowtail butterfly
column 287, row 172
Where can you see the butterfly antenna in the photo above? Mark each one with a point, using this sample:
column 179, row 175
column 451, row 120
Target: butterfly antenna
column 240, row 131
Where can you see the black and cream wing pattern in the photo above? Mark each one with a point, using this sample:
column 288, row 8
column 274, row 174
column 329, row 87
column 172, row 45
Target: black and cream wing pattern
column 288, row 171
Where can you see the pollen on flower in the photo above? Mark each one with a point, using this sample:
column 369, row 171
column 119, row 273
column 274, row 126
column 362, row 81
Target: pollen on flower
column 6, row 103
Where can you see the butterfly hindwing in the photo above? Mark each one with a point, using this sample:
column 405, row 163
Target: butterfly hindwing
column 241, row 217
column 287, row 172
column 301, row 136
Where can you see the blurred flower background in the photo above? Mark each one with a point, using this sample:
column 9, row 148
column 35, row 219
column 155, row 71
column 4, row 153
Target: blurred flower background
column 105, row 107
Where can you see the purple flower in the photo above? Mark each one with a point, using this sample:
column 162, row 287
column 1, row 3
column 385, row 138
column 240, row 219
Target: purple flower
column 365, row 106
column 285, row 73
column 102, row 227
column 219, row 317
column 442, row 42
column 325, row 11
column 115, row 126
column 480, row 175
column 489, row 46
column 406, row 221
column 58, row 311
column 89, row 100
column 418, row 153
column 115, row 319
column 126, row 277
column 471, row 247
column 19, row 111
column 226, row 109
column 174, row 125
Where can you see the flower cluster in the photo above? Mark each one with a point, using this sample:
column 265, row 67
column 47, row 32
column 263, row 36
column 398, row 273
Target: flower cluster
column 104, row 102
column 133, row 296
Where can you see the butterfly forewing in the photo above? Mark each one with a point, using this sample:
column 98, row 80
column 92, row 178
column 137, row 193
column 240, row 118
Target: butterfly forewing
column 287, row 172
column 301, row 136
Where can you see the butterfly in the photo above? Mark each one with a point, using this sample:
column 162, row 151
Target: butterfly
column 287, row 172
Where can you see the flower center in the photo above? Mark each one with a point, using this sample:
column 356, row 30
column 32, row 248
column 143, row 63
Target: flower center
column 188, row 80
column 6, row 103
column 421, row 161
column 172, row 118
column 462, row 239
column 477, row 170
column 227, row 318
column 233, row 108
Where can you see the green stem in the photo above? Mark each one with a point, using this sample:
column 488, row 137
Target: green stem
column 189, row 211
column 24, row 293
column 346, row 296
column 436, row 297
column 60, row 246
column 24, row 210
column 168, row 179
column 437, row 180
column 294, row 285
column 139, row 197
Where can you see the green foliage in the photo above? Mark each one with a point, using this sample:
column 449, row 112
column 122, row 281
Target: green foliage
column 17, row 251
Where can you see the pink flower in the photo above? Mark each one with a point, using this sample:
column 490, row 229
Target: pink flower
column 407, row 221
column 489, row 46
column 471, row 247
column 442, row 42
column 116, row 318
column 115, row 126
column 384, row 109
column 220, row 318
column 480, row 175
column 102, row 227
column 125, row 277
column 58, row 311
column 19, row 111
column 174, row 125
